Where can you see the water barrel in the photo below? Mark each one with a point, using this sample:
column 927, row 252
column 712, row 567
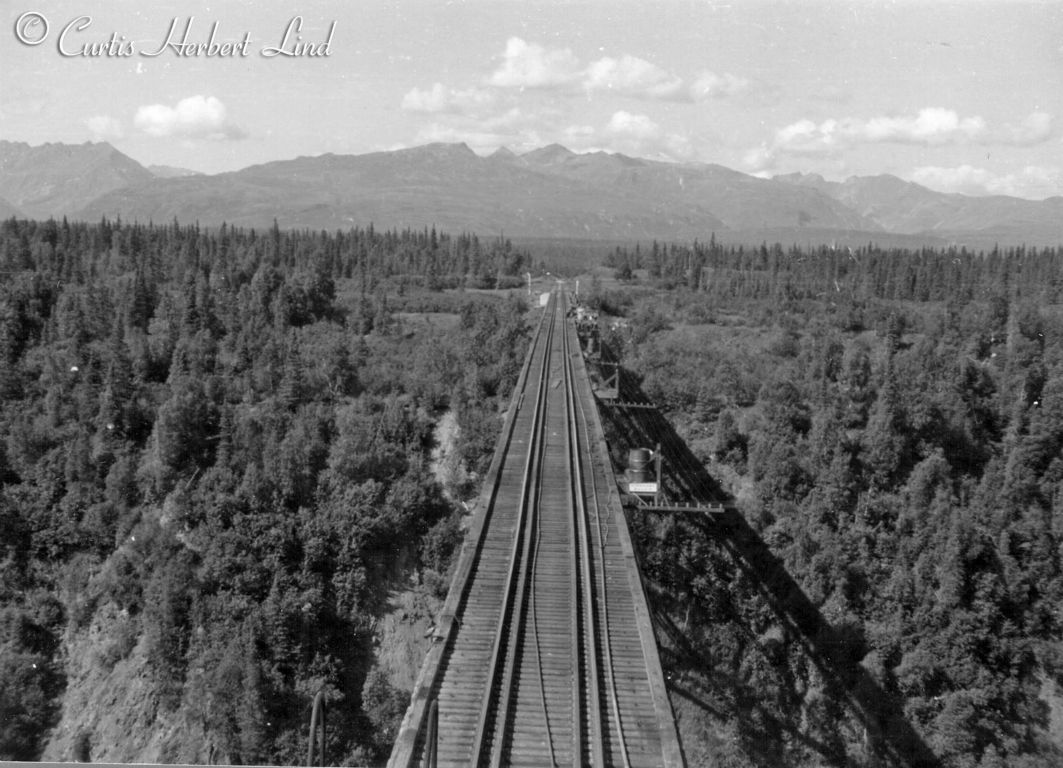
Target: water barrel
column 640, row 465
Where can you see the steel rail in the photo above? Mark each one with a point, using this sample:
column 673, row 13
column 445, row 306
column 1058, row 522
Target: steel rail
column 538, row 655
column 584, row 576
column 522, row 593
column 427, row 687
column 535, row 634
column 514, row 577
column 603, row 599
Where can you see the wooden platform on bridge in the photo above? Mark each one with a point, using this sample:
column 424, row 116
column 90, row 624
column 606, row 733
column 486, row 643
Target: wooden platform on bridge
column 544, row 652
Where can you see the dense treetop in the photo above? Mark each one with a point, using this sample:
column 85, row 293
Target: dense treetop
column 890, row 423
column 214, row 447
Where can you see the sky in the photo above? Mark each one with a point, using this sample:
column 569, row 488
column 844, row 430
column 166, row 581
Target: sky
column 958, row 96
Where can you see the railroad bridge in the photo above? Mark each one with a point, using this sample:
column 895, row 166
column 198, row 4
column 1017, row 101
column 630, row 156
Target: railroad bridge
column 544, row 653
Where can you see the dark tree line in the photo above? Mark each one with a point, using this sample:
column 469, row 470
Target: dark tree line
column 843, row 273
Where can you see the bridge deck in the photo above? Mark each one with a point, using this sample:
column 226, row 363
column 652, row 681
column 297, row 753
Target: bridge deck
column 544, row 652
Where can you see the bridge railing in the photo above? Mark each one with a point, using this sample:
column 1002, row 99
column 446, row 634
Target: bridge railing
column 404, row 751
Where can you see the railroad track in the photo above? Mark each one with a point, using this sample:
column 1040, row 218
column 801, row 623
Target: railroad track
column 543, row 663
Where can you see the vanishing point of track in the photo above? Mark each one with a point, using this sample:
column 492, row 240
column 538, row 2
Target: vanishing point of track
column 545, row 656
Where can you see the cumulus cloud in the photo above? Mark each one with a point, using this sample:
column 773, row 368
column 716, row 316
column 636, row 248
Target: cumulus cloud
column 196, row 117
column 485, row 115
column 636, row 126
column 806, row 138
column 760, row 160
column 482, row 138
column 638, row 135
column 529, row 65
column 709, row 85
column 626, row 132
column 632, row 76
column 580, row 137
column 931, row 126
column 513, row 128
column 479, row 140
column 965, row 179
column 439, row 99
column 104, row 128
column 1033, row 130
column 1035, row 182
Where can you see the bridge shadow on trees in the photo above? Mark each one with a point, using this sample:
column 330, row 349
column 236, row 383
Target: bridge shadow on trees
column 835, row 652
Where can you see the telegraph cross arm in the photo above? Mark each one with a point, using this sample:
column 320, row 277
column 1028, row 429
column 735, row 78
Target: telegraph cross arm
column 608, row 403
column 710, row 510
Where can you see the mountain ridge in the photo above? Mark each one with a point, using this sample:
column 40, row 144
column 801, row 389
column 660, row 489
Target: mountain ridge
column 905, row 207
column 172, row 172
column 548, row 192
column 57, row 179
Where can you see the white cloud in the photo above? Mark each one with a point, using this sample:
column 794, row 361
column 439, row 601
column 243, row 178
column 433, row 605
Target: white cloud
column 964, row 179
column 529, row 65
column 196, row 117
column 638, row 135
column 104, row 128
column 1036, row 128
column 513, row 128
column 625, row 132
column 486, row 115
column 631, row 76
column 635, row 126
column 1034, row 182
column 931, row 126
column 710, row 85
column 439, row 99
column 760, row 160
column 580, row 137
column 483, row 138
column 806, row 138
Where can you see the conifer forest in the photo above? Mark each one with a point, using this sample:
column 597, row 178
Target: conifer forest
column 218, row 457
column 215, row 453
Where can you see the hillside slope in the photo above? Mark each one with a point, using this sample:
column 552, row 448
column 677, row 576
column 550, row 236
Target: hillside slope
column 446, row 186
column 905, row 207
column 58, row 179
column 549, row 192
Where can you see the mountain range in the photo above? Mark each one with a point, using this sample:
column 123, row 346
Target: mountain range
column 549, row 192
